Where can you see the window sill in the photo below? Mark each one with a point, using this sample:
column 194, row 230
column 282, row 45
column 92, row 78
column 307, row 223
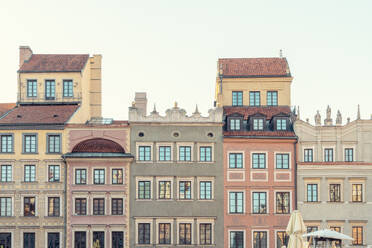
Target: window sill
column 1, row 217
column 34, row 182
column 260, row 214
column 29, row 216
column 144, row 161
column 164, row 200
column 353, row 202
column 313, row 202
column 185, row 200
column 144, row 200
column 7, row 153
column 29, row 153
column 9, row 182
column 56, row 182
column 339, row 202
column 53, row 217
column 53, row 153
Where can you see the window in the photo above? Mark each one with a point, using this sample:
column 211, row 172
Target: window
column 185, row 234
column 337, row 229
column 349, row 155
column 272, row 98
column 205, row 190
column 165, row 190
column 6, row 173
column 53, row 240
column 259, row 239
column 259, row 203
column 282, row 161
column 117, row 240
column 30, row 173
column 258, row 124
column 117, row 206
column 68, row 88
column 50, row 89
column 29, row 143
column 237, row 98
column 282, row 203
column 308, row 155
column 144, row 233
column 185, row 190
column 335, row 192
column 254, row 98
column 144, row 153
column 205, row 153
column 31, row 88
column 282, row 239
column 185, row 153
column 99, row 239
column 236, row 239
column 144, row 190
column 357, row 235
column 328, row 155
column 205, row 234
column 117, row 176
column 5, row 206
column 234, row 124
column 235, row 160
column 54, row 143
column 164, row 153
column 80, row 206
column 80, row 176
column 312, row 192
column 29, row 240
column 236, row 201
column 6, row 143
column 357, row 193
column 281, row 124
column 259, row 161
column 53, row 206
column 99, row 176
column 53, row 173
column 29, row 206
column 6, row 240
column 98, row 206
column 310, row 229
column 164, row 233
column 80, row 240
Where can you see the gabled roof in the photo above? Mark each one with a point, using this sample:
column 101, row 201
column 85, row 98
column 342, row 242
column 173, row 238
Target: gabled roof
column 55, row 63
column 254, row 67
column 5, row 107
column 268, row 111
column 39, row 114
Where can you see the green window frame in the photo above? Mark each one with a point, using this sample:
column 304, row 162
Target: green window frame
column 237, row 98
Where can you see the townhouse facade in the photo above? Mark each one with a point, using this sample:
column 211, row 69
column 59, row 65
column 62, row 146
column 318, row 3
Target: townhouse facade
column 258, row 151
column 176, row 182
column 334, row 175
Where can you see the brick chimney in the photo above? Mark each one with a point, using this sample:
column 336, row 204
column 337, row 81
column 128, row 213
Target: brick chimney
column 25, row 54
column 141, row 102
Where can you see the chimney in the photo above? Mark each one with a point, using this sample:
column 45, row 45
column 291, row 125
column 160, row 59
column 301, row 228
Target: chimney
column 25, row 54
column 141, row 102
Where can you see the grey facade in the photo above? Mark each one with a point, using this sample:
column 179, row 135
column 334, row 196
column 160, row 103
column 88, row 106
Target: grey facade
column 335, row 176
column 159, row 217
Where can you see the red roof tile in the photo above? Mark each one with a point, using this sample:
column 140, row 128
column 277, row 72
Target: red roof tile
column 260, row 133
column 55, row 63
column 39, row 114
column 268, row 111
column 254, row 67
column 98, row 145
column 5, row 107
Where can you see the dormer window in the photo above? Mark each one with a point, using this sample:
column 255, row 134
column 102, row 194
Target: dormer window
column 235, row 124
column 258, row 124
column 281, row 124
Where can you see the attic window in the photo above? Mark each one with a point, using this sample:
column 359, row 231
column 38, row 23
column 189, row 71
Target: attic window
column 258, row 124
column 281, row 124
column 235, row 124
column 19, row 116
column 55, row 116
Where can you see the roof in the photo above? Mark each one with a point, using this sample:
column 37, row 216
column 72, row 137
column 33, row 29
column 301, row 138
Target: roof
column 97, row 155
column 98, row 145
column 55, row 63
column 39, row 114
column 268, row 111
column 286, row 134
column 254, row 67
column 5, row 107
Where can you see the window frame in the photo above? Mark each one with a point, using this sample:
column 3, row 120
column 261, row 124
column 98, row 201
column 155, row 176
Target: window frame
column 59, row 148
column 356, row 240
column 163, row 196
column 334, row 198
column 266, row 238
column 24, row 137
column 185, row 240
column 253, row 193
column 147, row 149
column 307, row 155
column 117, row 208
column 146, row 233
column 236, row 126
column 236, row 204
column 238, row 95
column 7, row 210
column 29, row 179
column 6, row 135
column 117, row 239
column 99, row 181
column 253, row 95
column 277, row 203
column 55, row 234
column 270, row 98
column 56, row 212
column 256, row 123
column 118, row 177
column 54, row 178
column 235, row 164
column 184, row 158
column 8, row 177
column 349, row 157
column 67, row 82
column 83, row 242
column 203, row 154
column 99, row 208
column 241, row 233
column 313, row 199
column 163, row 152
column 259, row 166
column 82, row 209
column 29, row 202
column 76, row 176
column 50, row 89
column 149, row 182
column 206, row 238
column 357, row 195
column 205, row 191
column 34, row 89
column 29, row 237
column 326, row 154
column 282, row 161
column 187, row 194
column 162, row 232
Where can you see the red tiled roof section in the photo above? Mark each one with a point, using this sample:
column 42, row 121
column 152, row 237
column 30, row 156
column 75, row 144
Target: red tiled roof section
column 39, row 114
column 254, row 67
column 260, row 133
column 98, row 145
column 55, row 63
column 268, row 111
column 5, row 107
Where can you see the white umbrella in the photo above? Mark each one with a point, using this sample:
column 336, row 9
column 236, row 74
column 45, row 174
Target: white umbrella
column 326, row 233
column 295, row 229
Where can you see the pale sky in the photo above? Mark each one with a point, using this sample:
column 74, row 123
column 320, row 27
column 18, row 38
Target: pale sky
column 169, row 48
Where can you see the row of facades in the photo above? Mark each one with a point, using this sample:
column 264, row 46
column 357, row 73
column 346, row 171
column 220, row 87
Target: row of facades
column 70, row 178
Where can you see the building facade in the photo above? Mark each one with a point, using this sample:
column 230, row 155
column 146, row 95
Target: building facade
column 335, row 176
column 258, row 151
column 176, row 183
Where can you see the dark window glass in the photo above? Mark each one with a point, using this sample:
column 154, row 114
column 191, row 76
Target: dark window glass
column 68, row 88
column 236, row 201
column 254, row 98
column 144, row 233
column 310, row 229
column 28, row 240
column 53, row 240
column 50, row 89
column 117, row 206
column 185, row 153
column 205, row 190
column 259, row 239
column 80, row 206
column 29, row 206
column 185, row 190
column 357, row 192
column 236, row 160
column 6, row 143
column 281, row 124
column 99, row 176
column 165, row 233
column 205, row 153
column 144, row 190
column 98, row 206
column 99, row 239
column 80, row 176
column 234, row 124
column 272, row 98
column 337, row 229
column 357, row 235
column 165, row 190
column 185, row 234
column 282, row 202
column 259, row 202
column 258, row 124
column 258, row 160
column 236, row 239
column 31, row 88
column 30, row 173
column 53, row 173
column 349, row 154
column 237, row 98
column 164, row 153
column 282, row 161
column 29, row 144
column 80, row 240
column 5, row 206
column 335, row 192
column 144, row 153
column 312, row 192
column 117, row 176
column 6, row 173
column 328, row 155
column 117, row 240
column 53, row 206
column 282, row 239
column 308, row 155
column 54, row 143
column 205, row 234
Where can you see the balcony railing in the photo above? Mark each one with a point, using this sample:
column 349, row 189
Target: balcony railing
column 43, row 98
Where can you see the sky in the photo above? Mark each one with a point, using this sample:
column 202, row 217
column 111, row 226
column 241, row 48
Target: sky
column 170, row 48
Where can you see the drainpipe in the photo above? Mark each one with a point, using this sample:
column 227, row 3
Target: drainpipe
column 65, row 203
column 295, row 172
